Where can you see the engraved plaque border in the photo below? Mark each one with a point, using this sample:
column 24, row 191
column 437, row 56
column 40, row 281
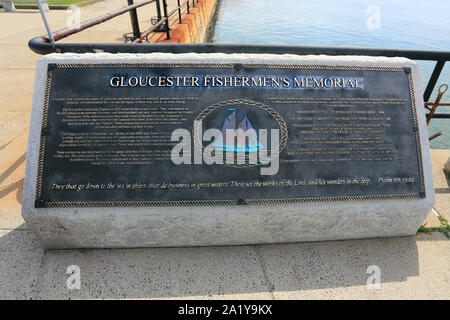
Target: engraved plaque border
column 39, row 203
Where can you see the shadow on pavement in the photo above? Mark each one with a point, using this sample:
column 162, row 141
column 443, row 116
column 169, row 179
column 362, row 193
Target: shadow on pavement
column 27, row 271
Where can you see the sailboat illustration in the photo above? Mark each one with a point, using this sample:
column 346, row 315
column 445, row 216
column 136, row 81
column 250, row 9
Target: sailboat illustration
column 235, row 118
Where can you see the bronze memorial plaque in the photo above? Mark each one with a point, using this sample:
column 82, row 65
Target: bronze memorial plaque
column 110, row 133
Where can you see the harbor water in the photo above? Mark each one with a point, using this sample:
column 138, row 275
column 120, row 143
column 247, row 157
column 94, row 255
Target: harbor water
column 405, row 24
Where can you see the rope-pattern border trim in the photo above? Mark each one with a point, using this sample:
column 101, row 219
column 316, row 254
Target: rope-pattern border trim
column 416, row 125
column 222, row 202
column 148, row 65
column 323, row 199
column 228, row 66
column 43, row 137
column 139, row 203
column 324, row 67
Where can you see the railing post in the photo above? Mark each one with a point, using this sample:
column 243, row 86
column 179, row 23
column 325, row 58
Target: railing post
column 167, row 19
column 179, row 11
column 187, row 6
column 134, row 21
column 158, row 9
column 44, row 18
column 433, row 79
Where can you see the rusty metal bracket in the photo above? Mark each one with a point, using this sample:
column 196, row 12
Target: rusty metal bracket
column 442, row 89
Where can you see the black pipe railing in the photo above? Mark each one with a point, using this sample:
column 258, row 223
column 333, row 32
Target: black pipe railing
column 167, row 19
column 433, row 79
column 131, row 8
column 64, row 33
column 42, row 45
column 134, row 20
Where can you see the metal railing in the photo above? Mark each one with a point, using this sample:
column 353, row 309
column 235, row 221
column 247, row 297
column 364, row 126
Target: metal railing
column 141, row 44
column 162, row 22
column 138, row 37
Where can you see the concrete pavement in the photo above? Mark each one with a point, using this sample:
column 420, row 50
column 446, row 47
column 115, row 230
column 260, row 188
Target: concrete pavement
column 17, row 61
column 411, row 267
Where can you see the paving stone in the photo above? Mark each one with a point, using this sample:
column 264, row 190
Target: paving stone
column 20, row 259
column 206, row 272
column 441, row 182
column 410, row 268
